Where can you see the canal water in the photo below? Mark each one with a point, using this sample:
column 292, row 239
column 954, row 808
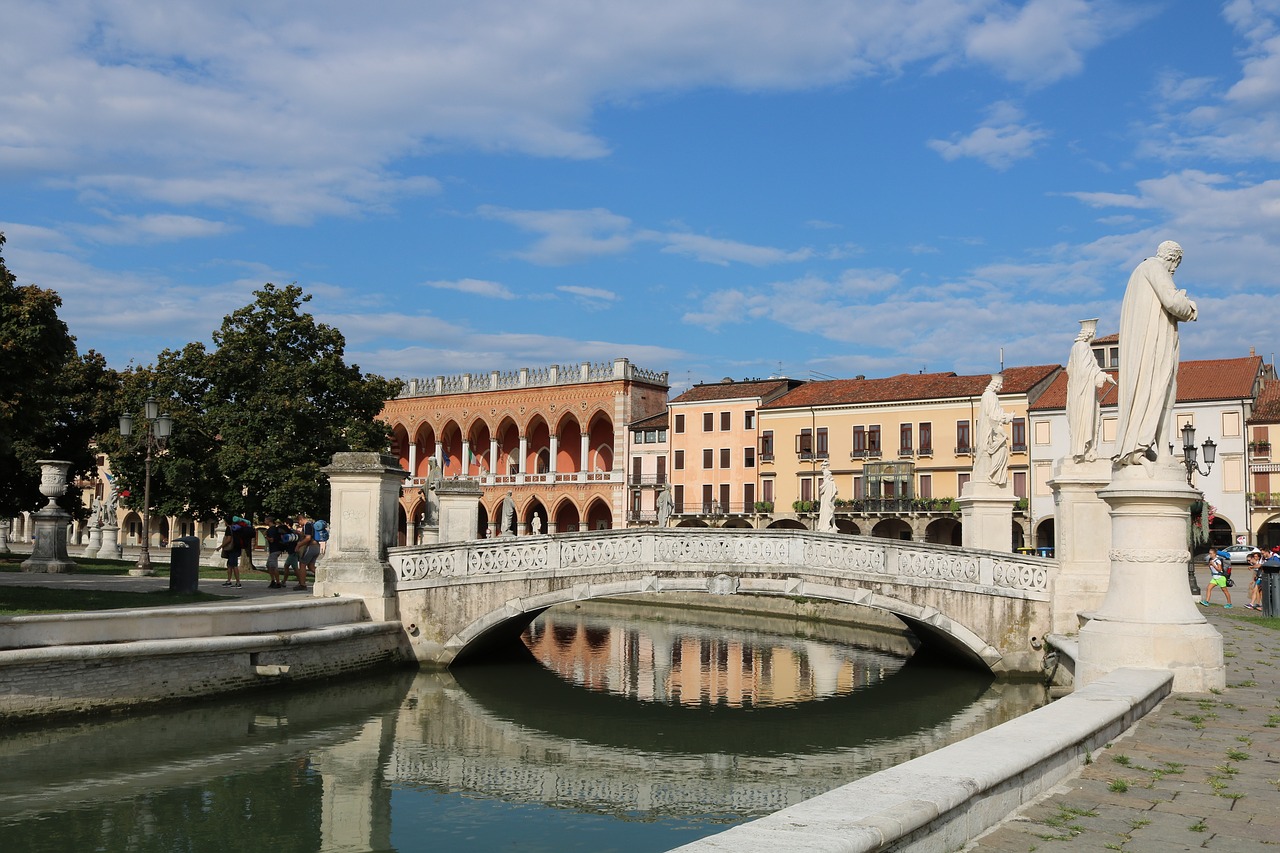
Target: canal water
column 614, row 728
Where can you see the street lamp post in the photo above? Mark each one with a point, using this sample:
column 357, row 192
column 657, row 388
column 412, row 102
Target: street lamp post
column 159, row 428
column 1192, row 464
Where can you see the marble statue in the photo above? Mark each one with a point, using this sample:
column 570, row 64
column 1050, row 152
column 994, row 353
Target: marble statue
column 112, row 502
column 1149, row 319
column 665, row 506
column 991, row 460
column 508, row 515
column 827, row 500
column 1084, row 378
column 536, row 524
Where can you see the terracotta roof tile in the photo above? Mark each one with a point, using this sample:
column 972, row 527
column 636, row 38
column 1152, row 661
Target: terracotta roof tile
column 762, row 389
column 1198, row 381
column 1109, row 339
column 1266, row 409
column 658, row 421
column 910, row 386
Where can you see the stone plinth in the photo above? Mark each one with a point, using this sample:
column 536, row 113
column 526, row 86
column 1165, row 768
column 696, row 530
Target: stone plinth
column 1082, row 527
column 5, row 528
column 49, row 549
column 459, row 510
column 986, row 513
column 110, row 549
column 364, row 490
column 1147, row 618
column 95, row 542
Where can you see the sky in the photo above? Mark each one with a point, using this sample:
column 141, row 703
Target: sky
column 817, row 188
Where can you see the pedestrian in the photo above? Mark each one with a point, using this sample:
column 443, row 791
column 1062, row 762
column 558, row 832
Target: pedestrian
column 290, row 536
column 230, row 551
column 1255, row 588
column 1217, row 578
column 244, row 532
column 280, row 538
column 322, row 535
column 308, row 550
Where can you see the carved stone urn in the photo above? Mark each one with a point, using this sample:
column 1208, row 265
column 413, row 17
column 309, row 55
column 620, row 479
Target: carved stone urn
column 49, row 550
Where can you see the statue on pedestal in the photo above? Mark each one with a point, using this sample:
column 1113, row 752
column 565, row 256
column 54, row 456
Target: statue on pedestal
column 991, row 451
column 1149, row 347
column 1084, row 378
column 508, row 515
column 664, row 506
column 827, row 500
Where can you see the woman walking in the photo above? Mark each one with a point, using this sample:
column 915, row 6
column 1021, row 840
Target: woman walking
column 1217, row 578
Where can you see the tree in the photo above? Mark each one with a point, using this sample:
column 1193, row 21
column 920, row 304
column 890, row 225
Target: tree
column 256, row 417
column 52, row 400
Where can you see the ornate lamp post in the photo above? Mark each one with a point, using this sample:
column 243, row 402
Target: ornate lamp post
column 159, row 428
column 1192, row 464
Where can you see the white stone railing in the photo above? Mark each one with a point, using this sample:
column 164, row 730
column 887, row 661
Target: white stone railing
column 701, row 550
column 526, row 377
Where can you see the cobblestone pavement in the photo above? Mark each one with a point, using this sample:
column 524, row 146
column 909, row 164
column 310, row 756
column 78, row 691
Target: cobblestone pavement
column 1201, row 772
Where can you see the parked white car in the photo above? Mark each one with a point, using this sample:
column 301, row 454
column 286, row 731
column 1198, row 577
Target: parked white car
column 1238, row 555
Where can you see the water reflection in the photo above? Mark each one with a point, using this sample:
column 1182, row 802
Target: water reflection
column 660, row 751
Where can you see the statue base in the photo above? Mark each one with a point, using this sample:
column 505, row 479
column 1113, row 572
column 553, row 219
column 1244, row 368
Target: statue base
column 986, row 516
column 1083, row 533
column 49, row 551
column 1147, row 618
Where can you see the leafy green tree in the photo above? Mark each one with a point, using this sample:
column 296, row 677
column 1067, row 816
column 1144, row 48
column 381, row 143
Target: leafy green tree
column 256, row 417
column 52, row 400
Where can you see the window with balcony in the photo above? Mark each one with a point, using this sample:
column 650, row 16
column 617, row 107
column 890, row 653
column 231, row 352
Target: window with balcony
column 873, row 440
column 677, row 499
column 963, row 445
column 662, row 470
column 766, row 489
column 1019, row 484
column 708, row 500
column 904, row 441
column 926, row 439
column 708, row 421
column 766, row 446
column 724, row 505
column 806, row 488
column 804, row 444
column 708, row 458
column 748, row 497
column 926, row 485
column 1019, row 437
column 859, row 443
column 637, row 469
column 820, row 445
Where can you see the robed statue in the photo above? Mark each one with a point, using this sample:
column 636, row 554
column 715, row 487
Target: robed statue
column 1084, row 378
column 991, row 455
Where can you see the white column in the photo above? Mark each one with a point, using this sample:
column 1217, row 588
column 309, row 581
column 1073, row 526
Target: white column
column 555, row 453
column 493, row 457
column 524, row 458
column 466, row 457
column 413, row 458
column 583, row 467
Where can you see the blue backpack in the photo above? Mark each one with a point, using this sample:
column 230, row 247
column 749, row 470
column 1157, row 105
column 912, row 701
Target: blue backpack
column 322, row 531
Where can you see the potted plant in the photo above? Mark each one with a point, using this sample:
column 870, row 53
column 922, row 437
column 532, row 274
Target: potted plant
column 764, row 506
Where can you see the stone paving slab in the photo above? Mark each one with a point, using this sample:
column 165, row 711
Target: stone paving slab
column 1200, row 772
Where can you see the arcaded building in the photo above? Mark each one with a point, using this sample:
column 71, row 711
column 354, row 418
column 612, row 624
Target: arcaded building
column 556, row 437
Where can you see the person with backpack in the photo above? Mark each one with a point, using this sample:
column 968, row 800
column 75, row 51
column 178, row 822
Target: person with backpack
column 230, row 551
column 280, row 540
column 244, row 533
column 1219, row 573
column 307, row 550
column 322, row 535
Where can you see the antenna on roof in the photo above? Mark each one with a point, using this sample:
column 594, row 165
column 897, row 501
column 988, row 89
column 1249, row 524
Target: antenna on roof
column 813, row 374
column 1002, row 359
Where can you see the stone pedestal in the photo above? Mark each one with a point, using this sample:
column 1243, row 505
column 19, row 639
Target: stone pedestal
column 1082, row 526
column 110, row 549
column 49, row 551
column 365, row 488
column 5, row 527
column 1147, row 618
column 986, row 513
column 459, row 510
column 95, row 542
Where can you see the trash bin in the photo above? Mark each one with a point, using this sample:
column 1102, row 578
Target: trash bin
column 1271, row 588
column 184, row 564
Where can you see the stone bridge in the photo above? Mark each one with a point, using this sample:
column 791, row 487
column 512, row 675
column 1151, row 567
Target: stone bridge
column 991, row 608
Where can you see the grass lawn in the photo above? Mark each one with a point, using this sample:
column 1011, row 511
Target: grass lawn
column 27, row 600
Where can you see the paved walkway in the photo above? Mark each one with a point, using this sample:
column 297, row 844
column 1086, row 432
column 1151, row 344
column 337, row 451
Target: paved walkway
column 1198, row 773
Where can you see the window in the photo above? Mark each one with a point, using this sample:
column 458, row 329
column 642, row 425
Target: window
column 677, row 499
column 926, row 485
column 748, row 457
column 749, row 419
column 638, row 438
column 748, row 497
column 1020, row 438
column 679, row 426
column 873, row 440
column 766, row 489
column 1043, row 432
column 708, row 498
column 708, row 458
column 725, row 458
column 926, row 439
column 1230, row 424
column 708, row 421
column 859, row 442
column 904, row 440
column 804, row 443
column 651, row 436
column 766, row 446
column 806, row 489
column 677, row 461
column 962, row 437
column 726, row 421
column 662, row 470
column 822, row 442
column 662, row 435
column 724, row 505
column 858, row 492
column 1019, row 484
column 1100, row 356
column 1115, row 356
column 961, row 480
column 637, row 466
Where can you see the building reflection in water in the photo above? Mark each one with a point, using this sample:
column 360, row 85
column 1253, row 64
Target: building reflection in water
column 698, row 665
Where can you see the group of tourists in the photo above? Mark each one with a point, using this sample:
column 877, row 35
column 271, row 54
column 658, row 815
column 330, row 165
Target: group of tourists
column 1220, row 576
column 299, row 541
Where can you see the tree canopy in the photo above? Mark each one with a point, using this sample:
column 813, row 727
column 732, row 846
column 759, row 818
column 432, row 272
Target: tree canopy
column 256, row 417
column 52, row 400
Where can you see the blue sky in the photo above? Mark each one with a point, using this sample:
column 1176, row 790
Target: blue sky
column 726, row 188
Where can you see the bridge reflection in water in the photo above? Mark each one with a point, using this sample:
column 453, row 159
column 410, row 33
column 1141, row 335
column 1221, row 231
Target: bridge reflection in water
column 651, row 728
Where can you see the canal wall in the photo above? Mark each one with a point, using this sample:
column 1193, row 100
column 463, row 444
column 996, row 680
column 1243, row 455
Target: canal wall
column 53, row 666
column 939, row 802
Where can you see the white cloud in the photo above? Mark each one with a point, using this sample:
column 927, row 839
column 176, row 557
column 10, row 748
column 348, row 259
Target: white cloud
column 151, row 228
column 1000, row 141
column 723, row 252
column 475, row 287
column 594, row 296
column 568, row 236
